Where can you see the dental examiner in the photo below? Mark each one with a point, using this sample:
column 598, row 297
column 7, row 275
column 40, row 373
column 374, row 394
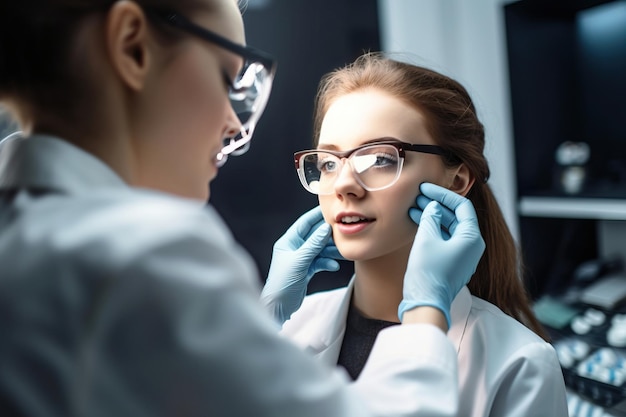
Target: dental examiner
column 121, row 293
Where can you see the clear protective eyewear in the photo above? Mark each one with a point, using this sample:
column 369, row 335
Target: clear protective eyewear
column 375, row 165
column 250, row 90
column 10, row 138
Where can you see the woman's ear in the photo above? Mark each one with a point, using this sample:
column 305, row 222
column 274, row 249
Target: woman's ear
column 127, row 36
column 462, row 181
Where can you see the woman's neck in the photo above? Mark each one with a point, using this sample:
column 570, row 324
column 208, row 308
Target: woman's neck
column 378, row 285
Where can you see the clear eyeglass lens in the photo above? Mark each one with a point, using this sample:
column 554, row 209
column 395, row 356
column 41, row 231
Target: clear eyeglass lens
column 248, row 97
column 375, row 167
column 250, row 91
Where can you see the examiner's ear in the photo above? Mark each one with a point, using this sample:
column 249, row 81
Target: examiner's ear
column 462, row 181
column 126, row 33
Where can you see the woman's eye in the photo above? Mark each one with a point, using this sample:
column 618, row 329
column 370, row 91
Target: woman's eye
column 228, row 83
column 326, row 165
column 385, row 160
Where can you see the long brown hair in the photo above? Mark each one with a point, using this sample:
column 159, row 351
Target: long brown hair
column 452, row 122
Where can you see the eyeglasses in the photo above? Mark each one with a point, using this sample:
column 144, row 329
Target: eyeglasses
column 375, row 166
column 249, row 91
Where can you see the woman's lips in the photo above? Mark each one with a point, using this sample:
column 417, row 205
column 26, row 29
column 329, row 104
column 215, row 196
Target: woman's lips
column 349, row 223
column 352, row 228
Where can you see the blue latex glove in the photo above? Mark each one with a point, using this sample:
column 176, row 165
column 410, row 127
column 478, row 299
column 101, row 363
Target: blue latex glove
column 448, row 218
column 305, row 249
column 445, row 252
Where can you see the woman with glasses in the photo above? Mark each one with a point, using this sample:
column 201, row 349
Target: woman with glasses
column 121, row 294
column 388, row 137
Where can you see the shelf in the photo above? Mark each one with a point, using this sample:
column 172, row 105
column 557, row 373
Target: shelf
column 571, row 207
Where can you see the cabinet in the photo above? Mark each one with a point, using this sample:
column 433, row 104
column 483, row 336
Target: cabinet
column 567, row 70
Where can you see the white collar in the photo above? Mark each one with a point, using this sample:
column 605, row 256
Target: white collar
column 459, row 314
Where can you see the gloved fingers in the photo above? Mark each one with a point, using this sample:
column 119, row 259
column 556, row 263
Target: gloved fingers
column 313, row 230
column 422, row 201
column 447, row 198
column 317, row 240
column 448, row 217
column 307, row 222
column 430, row 221
column 324, row 264
column 331, row 251
column 415, row 214
column 466, row 213
column 300, row 230
column 467, row 226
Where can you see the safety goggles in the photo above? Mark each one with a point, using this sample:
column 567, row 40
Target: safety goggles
column 249, row 91
column 375, row 165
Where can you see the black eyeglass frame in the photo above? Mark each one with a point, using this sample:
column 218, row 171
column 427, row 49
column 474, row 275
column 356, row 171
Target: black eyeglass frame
column 402, row 147
column 248, row 53
column 250, row 56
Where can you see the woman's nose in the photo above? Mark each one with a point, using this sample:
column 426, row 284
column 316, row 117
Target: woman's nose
column 346, row 182
column 233, row 125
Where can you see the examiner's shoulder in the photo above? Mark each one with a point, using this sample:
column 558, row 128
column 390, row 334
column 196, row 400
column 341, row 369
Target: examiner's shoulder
column 154, row 213
column 121, row 225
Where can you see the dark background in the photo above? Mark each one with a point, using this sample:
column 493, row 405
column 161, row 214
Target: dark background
column 567, row 65
column 258, row 194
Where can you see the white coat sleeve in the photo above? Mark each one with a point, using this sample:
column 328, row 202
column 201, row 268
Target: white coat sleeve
column 181, row 332
column 419, row 365
column 531, row 385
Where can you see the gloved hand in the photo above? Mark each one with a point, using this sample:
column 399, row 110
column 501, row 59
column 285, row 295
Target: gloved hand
column 305, row 249
column 445, row 252
column 448, row 218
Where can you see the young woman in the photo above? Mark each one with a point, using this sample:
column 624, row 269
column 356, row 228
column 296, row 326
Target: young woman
column 121, row 294
column 382, row 128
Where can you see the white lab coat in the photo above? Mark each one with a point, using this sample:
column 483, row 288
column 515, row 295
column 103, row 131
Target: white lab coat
column 504, row 368
column 122, row 302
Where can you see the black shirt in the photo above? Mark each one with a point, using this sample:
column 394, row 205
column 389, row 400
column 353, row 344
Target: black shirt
column 358, row 341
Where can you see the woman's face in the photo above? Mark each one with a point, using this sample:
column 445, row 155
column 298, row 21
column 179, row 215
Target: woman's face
column 187, row 113
column 350, row 121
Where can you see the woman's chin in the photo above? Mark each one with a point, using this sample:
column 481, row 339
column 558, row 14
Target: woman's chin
column 352, row 254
